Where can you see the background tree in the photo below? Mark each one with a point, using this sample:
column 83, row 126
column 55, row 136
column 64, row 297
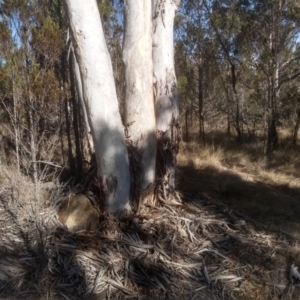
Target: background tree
column 32, row 44
column 237, row 35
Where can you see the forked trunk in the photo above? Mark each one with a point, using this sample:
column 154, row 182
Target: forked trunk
column 165, row 88
column 100, row 99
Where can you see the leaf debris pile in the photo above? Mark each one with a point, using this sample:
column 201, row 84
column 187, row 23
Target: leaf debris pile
column 198, row 250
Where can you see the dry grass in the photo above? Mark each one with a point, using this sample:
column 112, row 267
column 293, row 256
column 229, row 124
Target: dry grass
column 268, row 193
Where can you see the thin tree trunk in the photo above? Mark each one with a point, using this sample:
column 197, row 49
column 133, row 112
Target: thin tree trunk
column 80, row 96
column 165, row 88
column 227, row 107
column 296, row 128
column 139, row 103
column 237, row 104
column 272, row 115
column 100, row 98
column 200, row 100
column 16, row 127
column 273, row 97
column 64, row 68
column 33, row 150
column 78, row 153
column 186, row 126
column 61, row 123
column 68, row 129
column 228, row 124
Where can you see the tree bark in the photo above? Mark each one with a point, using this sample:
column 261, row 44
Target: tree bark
column 139, row 103
column 16, row 124
column 272, row 135
column 237, row 104
column 71, row 158
column 272, row 114
column 186, row 125
column 200, row 100
column 80, row 96
column 273, row 88
column 76, row 115
column 100, row 99
column 64, row 74
column 296, row 128
column 33, row 147
column 165, row 88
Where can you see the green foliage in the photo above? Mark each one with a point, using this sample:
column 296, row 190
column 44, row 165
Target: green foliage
column 260, row 39
column 182, row 84
column 47, row 39
column 5, row 33
column 105, row 9
column 4, row 79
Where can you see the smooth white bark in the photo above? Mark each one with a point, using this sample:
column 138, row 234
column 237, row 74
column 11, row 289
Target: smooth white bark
column 139, row 102
column 165, row 87
column 100, row 98
column 165, row 83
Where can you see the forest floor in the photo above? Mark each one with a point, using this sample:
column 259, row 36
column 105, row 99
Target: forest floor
column 234, row 236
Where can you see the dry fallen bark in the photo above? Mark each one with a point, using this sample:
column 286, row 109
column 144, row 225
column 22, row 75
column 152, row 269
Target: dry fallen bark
column 181, row 251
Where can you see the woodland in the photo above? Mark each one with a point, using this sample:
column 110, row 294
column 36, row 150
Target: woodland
column 149, row 149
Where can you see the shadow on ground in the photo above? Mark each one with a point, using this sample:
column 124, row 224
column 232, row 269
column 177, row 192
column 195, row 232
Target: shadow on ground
column 233, row 237
column 221, row 243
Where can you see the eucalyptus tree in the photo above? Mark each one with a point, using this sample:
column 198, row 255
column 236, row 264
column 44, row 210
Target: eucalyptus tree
column 29, row 52
column 197, row 61
column 142, row 116
column 192, row 33
column 275, row 27
column 100, row 99
column 166, row 97
column 229, row 21
column 139, row 103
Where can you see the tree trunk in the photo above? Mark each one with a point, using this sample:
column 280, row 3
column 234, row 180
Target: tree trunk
column 228, row 124
column 272, row 135
column 200, row 100
column 273, row 88
column 296, row 128
column 165, row 88
column 100, row 99
column 76, row 115
column 237, row 105
column 139, row 103
column 271, row 125
column 64, row 74
column 80, row 96
column 16, row 125
column 186, row 125
column 33, row 148
column 71, row 158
